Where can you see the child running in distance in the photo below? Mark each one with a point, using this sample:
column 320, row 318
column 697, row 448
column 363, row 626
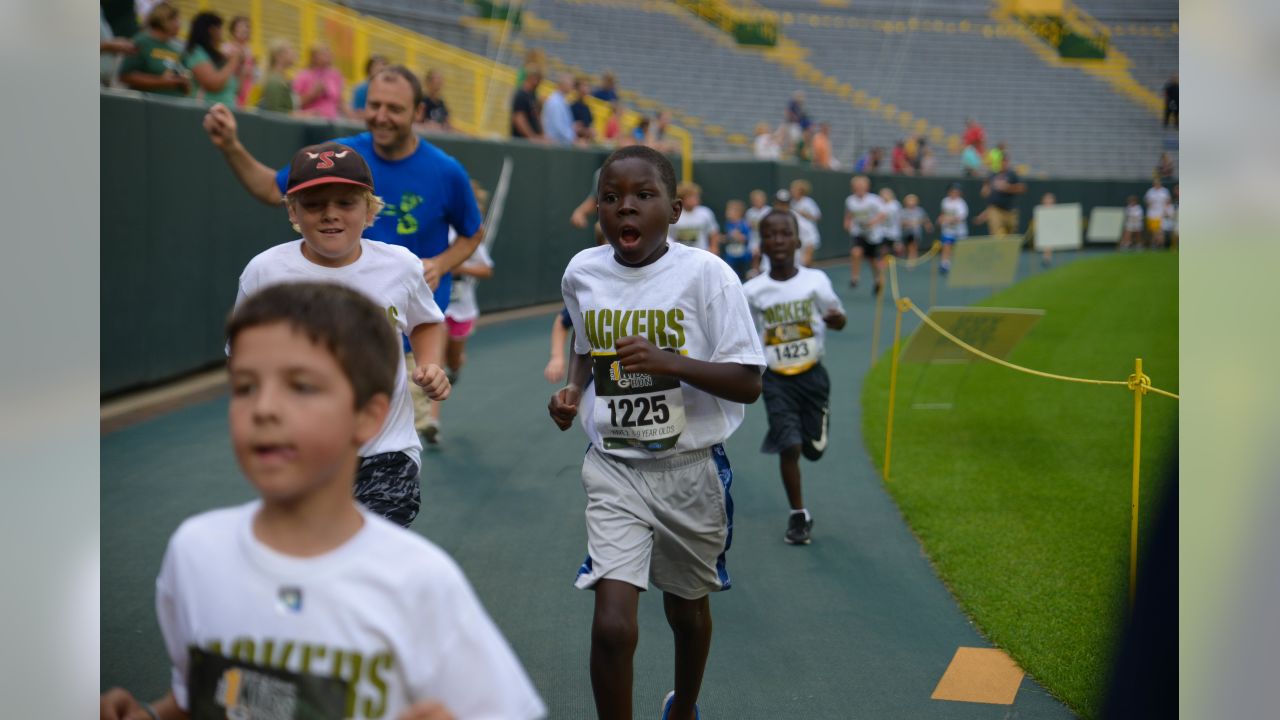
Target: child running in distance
column 863, row 212
column 793, row 306
column 330, row 202
column 460, row 318
column 737, row 235
column 915, row 223
column 303, row 603
column 891, row 226
column 665, row 332
column 953, row 222
column 1133, row 224
column 697, row 225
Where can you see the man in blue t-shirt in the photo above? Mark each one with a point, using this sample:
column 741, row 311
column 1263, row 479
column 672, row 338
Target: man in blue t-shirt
column 426, row 191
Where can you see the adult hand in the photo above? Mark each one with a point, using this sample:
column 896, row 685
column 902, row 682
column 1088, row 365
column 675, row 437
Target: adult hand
column 563, row 407
column 433, row 381
column 578, row 219
column 431, row 273
column 426, row 710
column 121, row 46
column 220, row 124
column 638, row 355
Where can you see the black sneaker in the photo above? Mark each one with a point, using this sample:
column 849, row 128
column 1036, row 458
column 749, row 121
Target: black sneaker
column 431, row 433
column 798, row 529
column 853, row 283
column 875, row 291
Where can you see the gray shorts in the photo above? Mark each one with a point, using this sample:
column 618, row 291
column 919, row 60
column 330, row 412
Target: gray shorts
column 667, row 521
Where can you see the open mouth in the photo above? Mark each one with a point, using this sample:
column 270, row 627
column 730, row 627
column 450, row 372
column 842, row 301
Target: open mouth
column 275, row 453
column 629, row 235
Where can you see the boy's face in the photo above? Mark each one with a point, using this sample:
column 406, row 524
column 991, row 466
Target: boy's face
column 733, row 213
column 910, row 202
column 635, row 211
column 332, row 218
column 294, row 425
column 778, row 240
column 860, row 186
column 757, row 199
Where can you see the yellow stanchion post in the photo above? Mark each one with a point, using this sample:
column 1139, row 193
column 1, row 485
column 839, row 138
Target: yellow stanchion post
column 902, row 304
column 1138, row 384
column 933, row 284
column 875, row 326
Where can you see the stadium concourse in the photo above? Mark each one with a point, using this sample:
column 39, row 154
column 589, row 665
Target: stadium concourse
column 855, row 625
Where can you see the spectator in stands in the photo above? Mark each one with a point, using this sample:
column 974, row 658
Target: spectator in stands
column 767, row 145
column 319, row 86
column 1001, row 191
column 995, row 157
column 582, row 119
column 974, row 135
column 534, row 59
column 241, row 32
column 870, row 162
column 898, row 161
column 640, row 133
column 608, row 90
column 796, row 113
column 557, row 118
column 658, row 139
column 360, row 94
column 971, row 161
column 277, row 95
column 111, row 49
column 435, row 114
column 1171, row 100
column 216, row 74
column 613, row 126
column 822, row 157
column 157, row 66
column 928, row 161
column 525, row 120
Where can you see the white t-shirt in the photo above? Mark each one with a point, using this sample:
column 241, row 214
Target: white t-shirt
column 694, row 227
column 688, row 300
column 766, row 147
column 1133, row 218
column 388, row 611
column 958, row 209
column 753, row 216
column 462, row 295
column 864, row 209
column 808, row 228
column 390, row 276
column 913, row 221
column 1170, row 217
column 891, row 227
column 789, row 315
column 1157, row 199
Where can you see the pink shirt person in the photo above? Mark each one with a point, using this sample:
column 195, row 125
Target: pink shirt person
column 319, row 87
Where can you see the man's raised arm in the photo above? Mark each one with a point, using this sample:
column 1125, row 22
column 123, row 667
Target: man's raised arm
column 257, row 178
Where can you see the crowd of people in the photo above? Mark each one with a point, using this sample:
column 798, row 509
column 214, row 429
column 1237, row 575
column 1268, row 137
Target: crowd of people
column 216, row 65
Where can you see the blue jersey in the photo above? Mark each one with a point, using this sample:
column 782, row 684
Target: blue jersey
column 425, row 193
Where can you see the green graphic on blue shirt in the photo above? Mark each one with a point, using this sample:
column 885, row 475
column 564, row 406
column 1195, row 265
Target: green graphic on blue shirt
column 406, row 223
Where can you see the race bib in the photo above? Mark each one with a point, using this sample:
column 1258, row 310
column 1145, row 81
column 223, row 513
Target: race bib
column 735, row 249
column 221, row 688
column 636, row 409
column 790, row 348
column 687, row 236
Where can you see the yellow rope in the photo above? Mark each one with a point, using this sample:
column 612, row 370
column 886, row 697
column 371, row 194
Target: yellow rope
column 922, row 259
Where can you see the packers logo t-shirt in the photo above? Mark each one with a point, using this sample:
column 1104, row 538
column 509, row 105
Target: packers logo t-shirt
column 687, row 302
column 789, row 313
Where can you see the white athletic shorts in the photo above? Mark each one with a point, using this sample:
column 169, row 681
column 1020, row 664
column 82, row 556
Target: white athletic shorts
column 667, row 521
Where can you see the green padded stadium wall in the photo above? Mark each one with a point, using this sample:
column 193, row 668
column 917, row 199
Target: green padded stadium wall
column 177, row 228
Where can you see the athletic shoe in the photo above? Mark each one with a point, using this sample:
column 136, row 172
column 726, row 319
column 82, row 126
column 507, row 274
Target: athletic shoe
column 452, row 376
column 666, row 706
column 431, row 433
column 944, row 268
column 798, row 529
column 853, row 283
column 875, row 291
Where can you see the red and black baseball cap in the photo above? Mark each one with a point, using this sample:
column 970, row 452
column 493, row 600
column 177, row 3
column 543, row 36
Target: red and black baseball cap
column 329, row 162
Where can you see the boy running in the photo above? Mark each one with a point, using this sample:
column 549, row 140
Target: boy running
column 665, row 330
column 330, row 202
column 793, row 306
column 863, row 213
column 303, row 603
column 952, row 223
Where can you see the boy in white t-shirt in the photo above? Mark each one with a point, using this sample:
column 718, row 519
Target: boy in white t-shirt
column 952, row 224
column 697, row 226
column 793, row 306
column 330, row 202
column 664, row 332
column 302, row 602
column 891, row 227
column 863, row 213
column 808, row 214
column 460, row 319
column 915, row 222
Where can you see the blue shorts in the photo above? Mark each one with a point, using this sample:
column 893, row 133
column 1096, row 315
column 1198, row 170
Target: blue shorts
column 948, row 239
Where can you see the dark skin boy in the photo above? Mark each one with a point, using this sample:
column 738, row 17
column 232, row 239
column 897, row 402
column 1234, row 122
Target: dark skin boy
column 635, row 210
column 779, row 240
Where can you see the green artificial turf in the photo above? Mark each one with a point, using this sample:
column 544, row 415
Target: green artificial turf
column 1020, row 493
